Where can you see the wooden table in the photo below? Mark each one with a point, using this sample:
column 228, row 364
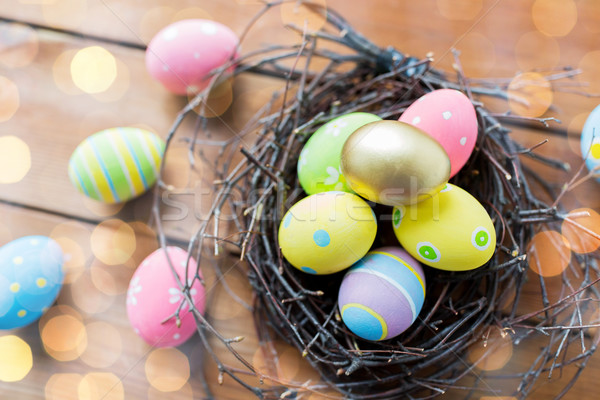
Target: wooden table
column 84, row 348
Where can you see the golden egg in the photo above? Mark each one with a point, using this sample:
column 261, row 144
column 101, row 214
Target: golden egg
column 394, row 163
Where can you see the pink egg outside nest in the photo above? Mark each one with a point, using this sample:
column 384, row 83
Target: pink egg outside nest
column 449, row 117
column 182, row 54
column 153, row 298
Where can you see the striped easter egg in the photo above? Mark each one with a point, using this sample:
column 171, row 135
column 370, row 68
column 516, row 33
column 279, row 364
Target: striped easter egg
column 116, row 164
column 382, row 294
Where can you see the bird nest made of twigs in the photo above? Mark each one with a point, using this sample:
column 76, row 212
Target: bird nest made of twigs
column 460, row 307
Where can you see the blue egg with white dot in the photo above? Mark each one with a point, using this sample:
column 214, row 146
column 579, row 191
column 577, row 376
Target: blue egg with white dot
column 31, row 276
column 382, row 294
column 590, row 142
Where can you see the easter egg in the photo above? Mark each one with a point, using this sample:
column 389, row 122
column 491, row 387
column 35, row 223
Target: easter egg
column 449, row 117
column 116, row 164
column 590, row 141
column 154, row 296
column 327, row 232
column 182, row 55
column 31, row 276
column 451, row 230
column 382, row 294
column 319, row 162
column 394, row 163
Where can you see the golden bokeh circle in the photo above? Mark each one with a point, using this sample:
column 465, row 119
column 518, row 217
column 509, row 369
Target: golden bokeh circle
column 62, row 386
column 530, row 94
column 113, row 242
column 10, row 99
column 146, row 241
column 104, row 345
column 219, row 100
column 118, row 89
column 590, row 67
column 588, row 15
column 185, row 393
column 459, row 10
column 74, row 260
column 64, row 337
column 154, row 20
column 61, row 72
column 304, row 16
column 491, row 352
column 191, row 13
column 548, row 253
column 93, row 69
column 554, row 17
column 15, row 159
column 87, row 297
column 167, row 369
column 580, row 240
column 574, row 131
column 19, row 45
column 100, row 386
column 16, row 359
column 535, row 50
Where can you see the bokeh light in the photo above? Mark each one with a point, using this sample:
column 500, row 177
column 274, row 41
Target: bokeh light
column 191, row 13
column 74, row 258
column 15, row 159
column 167, row 369
column 64, row 337
column 535, row 50
column 554, row 17
column 579, row 239
column 113, row 242
column 225, row 306
column 146, row 241
column 459, row 10
column 588, row 15
column 530, row 94
column 101, row 386
column 101, row 209
column 19, row 45
column 491, row 352
column 111, row 280
column 66, row 14
column 9, row 98
column 590, row 67
column 104, row 345
column 219, row 100
column 548, row 253
column 16, row 359
column 119, row 87
column 62, row 386
column 154, row 20
column 87, row 297
column 475, row 46
column 304, row 16
column 93, row 69
column 61, row 72
column 284, row 366
column 185, row 393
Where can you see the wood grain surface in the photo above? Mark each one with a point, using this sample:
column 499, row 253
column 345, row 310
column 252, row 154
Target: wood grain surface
column 99, row 356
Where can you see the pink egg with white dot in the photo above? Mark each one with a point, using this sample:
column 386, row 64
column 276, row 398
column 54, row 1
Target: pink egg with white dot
column 449, row 117
column 182, row 55
column 154, row 297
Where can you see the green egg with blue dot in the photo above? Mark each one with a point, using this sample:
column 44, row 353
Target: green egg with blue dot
column 450, row 230
column 327, row 232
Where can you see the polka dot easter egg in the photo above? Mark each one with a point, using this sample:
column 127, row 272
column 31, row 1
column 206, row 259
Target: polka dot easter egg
column 449, row 117
column 382, row 294
column 319, row 163
column 182, row 55
column 451, row 230
column 154, row 296
column 116, row 164
column 590, row 142
column 327, row 232
column 31, row 276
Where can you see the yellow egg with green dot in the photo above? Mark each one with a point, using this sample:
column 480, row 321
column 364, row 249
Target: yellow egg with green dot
column 450, row 230
column 327, row 232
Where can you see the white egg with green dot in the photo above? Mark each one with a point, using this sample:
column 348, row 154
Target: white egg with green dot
column 590, row 142
column 450, row 231
column 327, row 232
column 319, row 161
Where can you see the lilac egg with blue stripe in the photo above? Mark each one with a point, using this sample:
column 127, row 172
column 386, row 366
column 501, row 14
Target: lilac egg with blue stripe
column 382, row 294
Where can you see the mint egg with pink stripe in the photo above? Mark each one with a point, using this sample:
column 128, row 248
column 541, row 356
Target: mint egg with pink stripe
column 382, row 294
column 117, row 164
